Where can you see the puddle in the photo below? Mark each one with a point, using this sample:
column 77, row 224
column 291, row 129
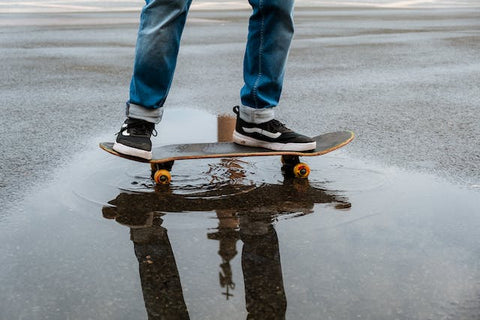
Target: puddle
column 231, row 239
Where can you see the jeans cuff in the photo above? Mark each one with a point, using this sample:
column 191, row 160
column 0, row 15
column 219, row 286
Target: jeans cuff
column 256, row 116
column 138, row 112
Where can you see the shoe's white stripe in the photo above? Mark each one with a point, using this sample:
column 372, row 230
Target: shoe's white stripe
column 272, row 135
column 251, row 142
column 125, row 133
column 132, row 151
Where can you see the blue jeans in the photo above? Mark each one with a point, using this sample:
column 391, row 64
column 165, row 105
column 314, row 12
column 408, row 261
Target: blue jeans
column 270, row 32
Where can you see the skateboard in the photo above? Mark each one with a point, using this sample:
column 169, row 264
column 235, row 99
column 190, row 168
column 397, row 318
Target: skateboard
column 163, row 157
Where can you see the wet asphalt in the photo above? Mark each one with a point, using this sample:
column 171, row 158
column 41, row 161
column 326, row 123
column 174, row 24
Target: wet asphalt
column 388, row 224
column 405, row 80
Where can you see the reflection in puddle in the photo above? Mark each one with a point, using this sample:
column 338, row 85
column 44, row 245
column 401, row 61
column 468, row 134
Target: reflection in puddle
column 245, row 213
column 407, row 247
column 291, row 197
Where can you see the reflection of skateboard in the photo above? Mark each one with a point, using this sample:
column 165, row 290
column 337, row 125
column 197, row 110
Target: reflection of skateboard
column 164, row 156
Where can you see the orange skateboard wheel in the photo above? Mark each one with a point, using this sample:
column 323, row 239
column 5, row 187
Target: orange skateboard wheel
column 301, row 170
column 162, row 176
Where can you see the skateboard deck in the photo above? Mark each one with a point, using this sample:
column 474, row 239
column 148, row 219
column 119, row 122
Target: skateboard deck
column 164, row 156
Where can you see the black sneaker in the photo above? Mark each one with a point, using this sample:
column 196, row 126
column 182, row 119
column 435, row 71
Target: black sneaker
column 272, row 135
column 134, row 138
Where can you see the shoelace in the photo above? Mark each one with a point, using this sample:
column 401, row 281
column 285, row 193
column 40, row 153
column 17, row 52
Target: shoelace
column 274, row 124
column 278, row 126
column 140, row 128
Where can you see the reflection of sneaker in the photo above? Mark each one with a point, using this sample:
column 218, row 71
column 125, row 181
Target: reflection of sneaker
column 272, row 135
column 134, row 138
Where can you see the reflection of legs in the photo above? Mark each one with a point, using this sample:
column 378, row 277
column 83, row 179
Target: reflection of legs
column 162, row 290
column 262, row 272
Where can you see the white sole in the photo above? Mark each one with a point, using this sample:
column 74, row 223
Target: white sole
column 129, row 151
column 251, row 142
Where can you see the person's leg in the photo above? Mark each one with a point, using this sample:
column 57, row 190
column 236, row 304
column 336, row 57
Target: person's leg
column 270, row 32
column 158, row 41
